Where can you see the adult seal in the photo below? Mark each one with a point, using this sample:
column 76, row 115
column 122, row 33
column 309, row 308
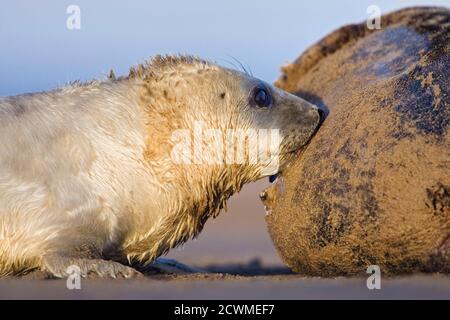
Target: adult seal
column 373, row 186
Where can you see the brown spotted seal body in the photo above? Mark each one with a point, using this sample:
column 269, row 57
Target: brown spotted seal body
column 373, row 186
column 110, row 174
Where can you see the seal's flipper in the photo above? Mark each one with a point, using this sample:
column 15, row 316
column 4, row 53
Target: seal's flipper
column 167, row 266
column 62, row 267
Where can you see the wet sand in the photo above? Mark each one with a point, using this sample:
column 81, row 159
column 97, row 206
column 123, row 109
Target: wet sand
column 230, row 287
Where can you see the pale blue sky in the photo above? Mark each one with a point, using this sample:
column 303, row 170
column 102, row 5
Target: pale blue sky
column 38, row 52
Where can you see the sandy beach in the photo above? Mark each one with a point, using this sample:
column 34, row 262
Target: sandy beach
column 231, row 287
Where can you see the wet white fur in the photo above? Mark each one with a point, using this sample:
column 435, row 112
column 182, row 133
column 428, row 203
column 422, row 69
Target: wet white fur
column 71, row 165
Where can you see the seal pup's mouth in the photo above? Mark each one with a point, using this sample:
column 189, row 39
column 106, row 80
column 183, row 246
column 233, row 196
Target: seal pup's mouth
column 297, row 152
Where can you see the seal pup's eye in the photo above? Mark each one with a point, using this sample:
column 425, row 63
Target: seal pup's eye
column 261, row 97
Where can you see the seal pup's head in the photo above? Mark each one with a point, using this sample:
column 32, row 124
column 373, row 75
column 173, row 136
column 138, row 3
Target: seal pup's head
column 210, row 130
column 205, row 116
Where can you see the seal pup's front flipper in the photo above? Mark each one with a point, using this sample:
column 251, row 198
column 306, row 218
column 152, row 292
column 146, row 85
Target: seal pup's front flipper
column 63, row 267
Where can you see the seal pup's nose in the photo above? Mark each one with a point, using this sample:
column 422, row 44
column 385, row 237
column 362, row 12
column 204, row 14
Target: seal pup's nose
column 322, row 115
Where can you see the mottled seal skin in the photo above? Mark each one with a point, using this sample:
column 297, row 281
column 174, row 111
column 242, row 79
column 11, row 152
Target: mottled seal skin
column 373, row 186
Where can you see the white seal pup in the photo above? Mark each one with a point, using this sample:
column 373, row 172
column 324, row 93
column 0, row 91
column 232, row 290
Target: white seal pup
column 110, row 174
